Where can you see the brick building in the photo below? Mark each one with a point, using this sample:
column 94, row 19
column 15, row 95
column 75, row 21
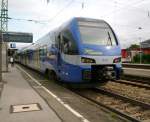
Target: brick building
column 127, row 55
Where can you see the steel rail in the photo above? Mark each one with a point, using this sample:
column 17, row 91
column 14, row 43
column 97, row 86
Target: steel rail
column 120, row 113
column 139, row 66
column 138, row 84
column 127, row 99
column 138, row 79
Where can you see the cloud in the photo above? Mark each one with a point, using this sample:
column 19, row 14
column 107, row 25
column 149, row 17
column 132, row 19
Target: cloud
column 124, row 16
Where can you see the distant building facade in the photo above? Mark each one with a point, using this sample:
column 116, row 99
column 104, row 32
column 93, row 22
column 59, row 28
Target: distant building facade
column 127, row 55
column 145, row 44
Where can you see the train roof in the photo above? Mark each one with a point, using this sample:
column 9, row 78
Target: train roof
column 60, row 28
column 31, row 47
column 69, row 22
column 88, row 19
column 82, row 19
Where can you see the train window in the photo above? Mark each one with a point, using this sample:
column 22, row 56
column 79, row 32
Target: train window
column 68, row 44
column 43, row 51
column 97, row 35
column 57, row 43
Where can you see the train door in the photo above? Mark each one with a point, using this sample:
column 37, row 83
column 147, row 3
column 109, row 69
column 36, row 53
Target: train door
column 63, row 46
column 42, row 56
column 28, row 54
column 67, row 47
column 26, row 58
column 33, row 62
column 36, row 59
column 59, row 52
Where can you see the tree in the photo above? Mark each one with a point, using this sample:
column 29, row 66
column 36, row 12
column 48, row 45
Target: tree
column 134, row 46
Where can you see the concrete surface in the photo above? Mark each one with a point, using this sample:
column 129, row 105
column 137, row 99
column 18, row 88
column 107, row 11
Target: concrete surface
column 87, row 109
column 16, row 91
column 20, row 87
column 137, row 72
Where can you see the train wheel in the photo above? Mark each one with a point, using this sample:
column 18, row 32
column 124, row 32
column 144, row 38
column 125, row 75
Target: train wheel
column 46, row 74
column 51, row 75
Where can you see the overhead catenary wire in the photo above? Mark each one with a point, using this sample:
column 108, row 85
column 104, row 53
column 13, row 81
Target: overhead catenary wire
column 124, row 7
column 28, row 20
column 44, row 21
column 60, row 11
column 82, row 3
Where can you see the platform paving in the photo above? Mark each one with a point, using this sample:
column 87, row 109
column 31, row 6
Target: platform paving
column 17, row 91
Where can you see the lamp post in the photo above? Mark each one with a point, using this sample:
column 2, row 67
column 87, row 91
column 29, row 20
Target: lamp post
column 140, row 51
column 140, row 47
column 1, row 56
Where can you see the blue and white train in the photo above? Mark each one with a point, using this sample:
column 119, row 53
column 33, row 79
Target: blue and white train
column 82, row 50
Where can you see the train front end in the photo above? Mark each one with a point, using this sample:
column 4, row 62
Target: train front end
column 100, row 51
column 98, row 57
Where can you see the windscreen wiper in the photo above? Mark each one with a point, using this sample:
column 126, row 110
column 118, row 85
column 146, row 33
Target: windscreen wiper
column 109, row 37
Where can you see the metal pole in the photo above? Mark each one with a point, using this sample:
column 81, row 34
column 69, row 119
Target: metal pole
column 140, row 48
column 1, row 46
column 2, row 38
column 4, row 24
column 1, row 56
column 140, row 53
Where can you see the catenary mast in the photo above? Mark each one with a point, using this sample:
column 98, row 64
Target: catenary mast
column 4, row 28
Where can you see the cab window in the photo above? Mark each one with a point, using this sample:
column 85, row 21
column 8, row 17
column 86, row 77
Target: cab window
column 68, row 44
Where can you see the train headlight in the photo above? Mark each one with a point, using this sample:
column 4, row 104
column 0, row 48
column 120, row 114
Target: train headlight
column 117, row 60
column 87, row 60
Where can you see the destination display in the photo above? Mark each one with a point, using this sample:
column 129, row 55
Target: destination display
column 18, row 37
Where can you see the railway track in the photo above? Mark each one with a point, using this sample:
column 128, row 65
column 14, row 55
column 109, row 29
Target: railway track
column 140, row 66
column 135, row 91
column 143, row 69
column 126, row 107
column 131, row 109
column 136, row 79
column 135, row 84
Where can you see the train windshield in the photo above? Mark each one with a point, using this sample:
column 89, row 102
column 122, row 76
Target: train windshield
column 97, row 34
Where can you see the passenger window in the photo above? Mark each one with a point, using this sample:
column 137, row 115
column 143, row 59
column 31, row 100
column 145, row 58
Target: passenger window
column 58, row 41
column 43, row 51
column 65, row 45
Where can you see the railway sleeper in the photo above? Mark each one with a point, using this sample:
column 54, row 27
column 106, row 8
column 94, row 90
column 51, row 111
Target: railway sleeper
column 137, row 115
column 122, row 106
column 133, row 109
column 148, row 120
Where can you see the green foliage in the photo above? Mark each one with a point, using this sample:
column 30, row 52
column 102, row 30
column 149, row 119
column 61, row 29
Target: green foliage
column 145, row 58
column 134, row 46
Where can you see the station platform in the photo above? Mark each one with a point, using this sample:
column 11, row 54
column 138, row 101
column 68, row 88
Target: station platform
column 21, row 103
column 26, row 96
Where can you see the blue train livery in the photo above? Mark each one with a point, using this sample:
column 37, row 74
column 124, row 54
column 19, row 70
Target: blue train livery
column 82, row 50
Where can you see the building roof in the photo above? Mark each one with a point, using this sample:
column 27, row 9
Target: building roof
column 145, row 44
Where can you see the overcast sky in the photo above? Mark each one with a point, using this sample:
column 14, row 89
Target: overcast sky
column 125, row 16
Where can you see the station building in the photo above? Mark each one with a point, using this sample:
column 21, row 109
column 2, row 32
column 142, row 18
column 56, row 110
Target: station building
column 127, row 55
column 146, row 46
